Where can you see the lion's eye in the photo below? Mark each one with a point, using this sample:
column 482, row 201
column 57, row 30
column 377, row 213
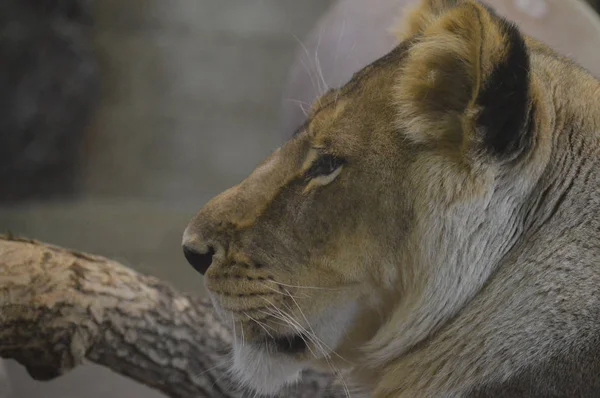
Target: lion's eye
column 324, row 165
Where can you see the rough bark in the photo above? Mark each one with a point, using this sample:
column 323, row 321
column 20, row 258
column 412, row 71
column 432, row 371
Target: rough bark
column 59, row 307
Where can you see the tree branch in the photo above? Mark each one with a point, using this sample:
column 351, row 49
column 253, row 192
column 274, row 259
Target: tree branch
column 59, row 307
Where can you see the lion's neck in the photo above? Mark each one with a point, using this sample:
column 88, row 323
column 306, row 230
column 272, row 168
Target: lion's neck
column 559, row 215
column 567, row 196
column 457, row 252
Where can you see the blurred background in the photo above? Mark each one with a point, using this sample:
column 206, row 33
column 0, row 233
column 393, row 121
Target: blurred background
column 119, row 119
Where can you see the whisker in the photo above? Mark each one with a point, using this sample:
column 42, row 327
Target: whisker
column 279, row 291
column 288, row 319
column 301, row 330
column 312, row 337
column 339, row 42
column 307, row 323
column 227, row 361
column 260, row 324
column 296, row 326
column 307, row 287
column 276, row 316
column 301, row 105
column 224, row 374
column 243, row 337
column 314, row 80
column 290, row 322
column 339, row 374
column 327, row 358
column 332, row 351
column 318, row 62
column 234, row 328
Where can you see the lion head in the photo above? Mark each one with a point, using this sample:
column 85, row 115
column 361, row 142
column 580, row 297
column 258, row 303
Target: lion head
column 391, row 207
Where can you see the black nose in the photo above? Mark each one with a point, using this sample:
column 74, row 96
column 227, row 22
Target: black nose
column 200, row 261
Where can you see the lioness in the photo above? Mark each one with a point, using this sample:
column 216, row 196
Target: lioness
column 434, row 227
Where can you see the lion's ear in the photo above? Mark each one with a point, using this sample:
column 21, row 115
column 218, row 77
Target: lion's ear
column 465, row 79
column 421, row 15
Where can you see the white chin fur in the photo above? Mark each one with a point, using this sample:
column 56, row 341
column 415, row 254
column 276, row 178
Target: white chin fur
column 268, row 373
column 264, row 373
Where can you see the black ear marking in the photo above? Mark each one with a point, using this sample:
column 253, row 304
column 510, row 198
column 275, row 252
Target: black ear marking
column 504, row 120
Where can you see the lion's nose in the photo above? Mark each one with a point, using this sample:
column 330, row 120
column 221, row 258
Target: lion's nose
column 200, row 260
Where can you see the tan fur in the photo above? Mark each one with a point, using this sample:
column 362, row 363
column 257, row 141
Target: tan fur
column 445, row 71
column 422, row 265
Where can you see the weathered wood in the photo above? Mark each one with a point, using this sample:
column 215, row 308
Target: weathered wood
column 59, row 307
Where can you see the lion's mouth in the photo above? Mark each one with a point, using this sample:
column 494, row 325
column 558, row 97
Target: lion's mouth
column 290, row 344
